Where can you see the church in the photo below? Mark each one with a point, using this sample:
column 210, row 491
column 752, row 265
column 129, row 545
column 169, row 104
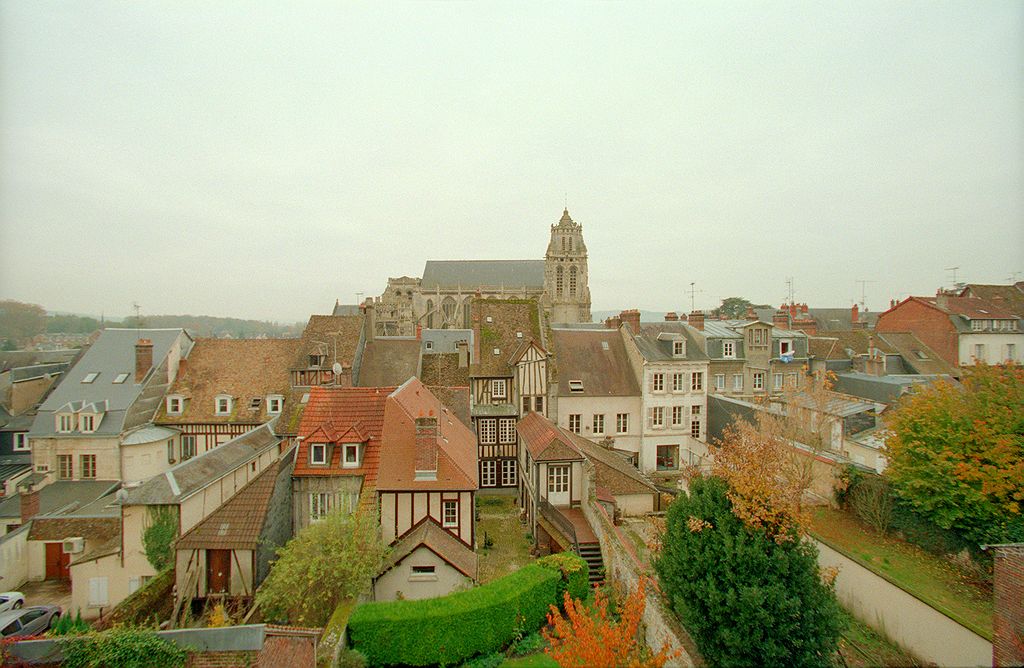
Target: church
column 441, row 298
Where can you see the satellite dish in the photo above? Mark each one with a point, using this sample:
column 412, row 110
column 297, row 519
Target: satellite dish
column 336, row 368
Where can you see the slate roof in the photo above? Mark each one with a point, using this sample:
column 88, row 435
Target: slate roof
column 718, row 329
column 242, row 368
column 546, row 441
column 10, row 468
column 834, row 344
column 443, row 369
column 1008, row 297
column 148, row 434
column 596, row 357
column 11, row 359
column 61, row 495
column 439, row 541
column 238, row 523
column 22, row 373
column 883, row 389
column 613, row 472
column 389, row 361
column 336, row 336
column 916, row 355
column 185, row 479
column 444, row 340
column 508, row 318
column 655, row 349
column 839, row 318
column 470, row 275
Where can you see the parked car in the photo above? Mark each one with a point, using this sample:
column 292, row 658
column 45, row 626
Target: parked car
column 11, row 600
column 29, row 621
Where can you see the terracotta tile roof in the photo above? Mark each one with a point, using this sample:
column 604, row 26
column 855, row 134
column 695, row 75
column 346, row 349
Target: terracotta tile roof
column 1008, row 297
column 91, row 528
column 969, row 307
column 596, row 357
column 442, row 369
column 545, row 440
column 439, row 541
column 237, row 524
column 389, row 361
column 508, row 318
column 242, row 368
column 334, row 336
column 456, row 444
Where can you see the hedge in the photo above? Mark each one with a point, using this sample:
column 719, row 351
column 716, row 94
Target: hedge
column 454, row 628
column 575, row 574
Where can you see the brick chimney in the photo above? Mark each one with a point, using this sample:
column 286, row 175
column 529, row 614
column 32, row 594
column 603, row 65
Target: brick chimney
column 614, row 322
column 426, row 447
column 781, row 319
column 697, row 319
column 419, row 331
column 854, row 317
column 751, row 313
column 631, row 318
column 671, row 317
column 942, row 299
column 143, row 358
column 463, row 348
column 29, row 504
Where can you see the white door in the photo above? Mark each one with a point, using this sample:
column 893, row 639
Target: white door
column 558, row 484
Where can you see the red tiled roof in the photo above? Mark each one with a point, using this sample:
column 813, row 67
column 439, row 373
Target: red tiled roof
column 971, row 308
column 545, row 440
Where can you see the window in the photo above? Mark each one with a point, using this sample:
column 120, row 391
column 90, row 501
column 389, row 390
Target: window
column 423, row 570
column 90, row 377
column 498, row 388
column 572, row 276
column 65, row 470
column 759, row 336
column 274, row 404
column 487, row 430
column 678, row 348
column 558, row 479
column 728, row 349
column 658, row 417
column 737, row 382
column 428, row 345
column 188, row 447
column 598, row 424
column 668, row 457
column 1011, row 354
column 65, row 423
column 695, row 429
column 315, row 361
column 255, row 403
column 677, row 383
column 538, row 404
column 776, row 381
column 120, row 378
column 758, row 380
column 979, row 351
column 507, row 430
column 791, row 380
column 223, row 405
column 449, row 513
column 86, row 423
column 976, row 325
column 575, row 386
column 170, row 451
column 350, row 456
column 621, row 423
column 677, row 415
column 318, row 453
column 720, row 381
column 786, row 347
column 98, row 593
column 574, row 422
column 658, row 382
column 174, row 405
column 319, row 505
column 695, row 410
column 20, row 442
column 488, row 475
column 697, row 381
column 508, row 473
column 559, row 277
column 526, row 405
column 88, row 466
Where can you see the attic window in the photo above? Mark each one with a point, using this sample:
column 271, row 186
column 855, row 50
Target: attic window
column 575, row 385
column 428, row 345
column 919, row 354
column 254, row 403
column 519, row 335
column 315, row 361
column 318, row 453
column 490, row 319
column 90, row 377
column 604, row 345
column 274, row 404
column 121, row 377
column 174, row 404
column 678, row 348
column 305, row 398
column 350, row 456
column 497, row 351
column 222, row 405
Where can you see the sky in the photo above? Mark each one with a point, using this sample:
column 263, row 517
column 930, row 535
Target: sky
column 261, row 160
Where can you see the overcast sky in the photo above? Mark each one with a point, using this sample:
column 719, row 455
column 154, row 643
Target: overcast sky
column 263, row 159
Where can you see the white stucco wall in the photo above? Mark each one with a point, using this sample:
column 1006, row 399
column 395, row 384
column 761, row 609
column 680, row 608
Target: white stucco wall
column 610, row 407
column 445, row 580
column 995, row 347
column 105, row 567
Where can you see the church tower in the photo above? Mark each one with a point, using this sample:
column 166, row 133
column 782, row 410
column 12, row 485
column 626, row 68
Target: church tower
column 565, row 273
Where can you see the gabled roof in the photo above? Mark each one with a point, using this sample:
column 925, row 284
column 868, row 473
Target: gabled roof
column 546, row 441
column 970, row 308
column 470, row 275
column 456, row 444
column 61, row 496
column 512, row 323
column 916, row 354
column 439, row 541
column 11, row 359
column 598, row 358
column 335, row 336
column 389, row 361
column 244, row 369
column 658, row 348
column 613, row 472
column 334, row 411
column 834, row 344
column 1008, row 297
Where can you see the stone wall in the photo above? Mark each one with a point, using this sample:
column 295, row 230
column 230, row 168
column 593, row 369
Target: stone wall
column 1008, row 643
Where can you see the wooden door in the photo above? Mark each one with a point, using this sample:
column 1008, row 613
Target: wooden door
column 57, row 563
column 218, row 571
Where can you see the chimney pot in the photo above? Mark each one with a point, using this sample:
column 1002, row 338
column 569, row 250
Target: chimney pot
column 781, row 319
column 696, row 319
column 143, row 358
column 631, row 317
column 671, row 317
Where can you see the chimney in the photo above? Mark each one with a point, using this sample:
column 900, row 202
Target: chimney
column 942, row 299
column 671, row 317
column 854, row 315
column 426, row 447
column 803, row 309
column 419, row 331
column 29, row 504
column 781, row 319
column 463, row 348
column 697, row 319
column 631, row 318
column 751, row 313
column 892, row 303
column 682, row 317
column 369, row 319
column 143, row 358
column 476, row 333
column 614, row 322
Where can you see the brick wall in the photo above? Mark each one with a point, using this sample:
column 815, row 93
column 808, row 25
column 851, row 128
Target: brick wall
column 222, row 660
column 289, row 650
column 1008, row 622
column 930, row 325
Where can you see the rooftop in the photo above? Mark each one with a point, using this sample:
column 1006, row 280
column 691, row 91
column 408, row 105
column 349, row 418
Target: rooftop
column 389, row 361
column 470, row 275
column 546, row 441
column 439, row 541
column 597, row 358
column 504, row 326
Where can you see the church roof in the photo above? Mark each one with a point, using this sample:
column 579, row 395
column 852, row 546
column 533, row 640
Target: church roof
column 472, row 274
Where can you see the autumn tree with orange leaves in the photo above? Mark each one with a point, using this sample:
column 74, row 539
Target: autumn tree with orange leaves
column 593, row 638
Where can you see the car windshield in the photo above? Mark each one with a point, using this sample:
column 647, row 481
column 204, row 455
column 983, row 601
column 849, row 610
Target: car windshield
column 13, row 627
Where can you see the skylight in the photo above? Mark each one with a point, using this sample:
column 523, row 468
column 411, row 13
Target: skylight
column 90, row 377
column 604, row 345
column 575, row 385
column 121, row 377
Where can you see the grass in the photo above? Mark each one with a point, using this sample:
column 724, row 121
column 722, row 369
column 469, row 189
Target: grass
column 935, row 580
column 540, row 660
column 862, row 647
column 499, row 520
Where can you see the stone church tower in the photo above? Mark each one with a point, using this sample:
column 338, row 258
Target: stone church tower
column 566, row 288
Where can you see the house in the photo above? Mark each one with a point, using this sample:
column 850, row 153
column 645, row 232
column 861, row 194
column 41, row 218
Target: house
column 224, row 389
column 508, row 375
column 328, row 340
column 15, row 454
column 962, row 330
column 116, row 386
column 875, row 353
column 21, row 388
column 1008, row 297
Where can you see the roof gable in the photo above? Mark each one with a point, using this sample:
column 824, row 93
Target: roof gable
column 546, row 441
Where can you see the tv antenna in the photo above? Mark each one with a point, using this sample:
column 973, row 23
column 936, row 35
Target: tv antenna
column 863, row 291
column 790, row 293
column 693, row 291
column 953, row 270
column 138, row 319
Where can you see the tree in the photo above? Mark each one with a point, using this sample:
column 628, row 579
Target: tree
column 747, row 598
column 734, row 308
column 330, row 560
column 585, row 638
column 956, row 454
column 19, row 322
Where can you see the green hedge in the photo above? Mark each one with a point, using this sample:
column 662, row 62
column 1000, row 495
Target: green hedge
column 453, row 628
column 575, row 574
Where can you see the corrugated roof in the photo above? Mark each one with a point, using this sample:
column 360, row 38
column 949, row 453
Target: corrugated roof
column 545, row 440
column 389, row 361
column 470, row 275
column 439, row 541
column 597, row 358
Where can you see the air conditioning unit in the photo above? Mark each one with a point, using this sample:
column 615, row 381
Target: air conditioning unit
column 74, row 545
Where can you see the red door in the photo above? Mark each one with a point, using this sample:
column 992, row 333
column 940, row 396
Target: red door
column 218, row 571
column 57, row 562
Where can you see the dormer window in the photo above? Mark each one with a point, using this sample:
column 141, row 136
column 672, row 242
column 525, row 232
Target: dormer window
column 728, row 349
column 21, row 442
column 428, row 345
column 255, row 403
column 222, row 405
column 575, row 386
column 65, row 423
column 350, row 456
column 318, row 453
column 175, row 404
column 498, row 388
column 786, row 347
column 120, row 378
column 316, row 361
column 275, row 403
column 678, row 348
column 90, row 377
column 87, row 424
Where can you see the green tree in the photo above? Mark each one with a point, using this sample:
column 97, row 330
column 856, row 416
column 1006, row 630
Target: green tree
column 956, row 454
column 734, row 307
column 159, row 534
column 328, row 561
column 19, row 322
column 748, row 599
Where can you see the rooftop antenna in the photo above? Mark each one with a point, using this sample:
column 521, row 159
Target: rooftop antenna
column 693, row 293
column 863, row 291
column 954, row 270
column 138, row 319
column 359, row 297
column 789, row 290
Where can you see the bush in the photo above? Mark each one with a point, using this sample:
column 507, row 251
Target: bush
column 455, row 628
column 350, row 658
column 530, row 644
column 574, row 571
column 66, row 625
column 486, row 661
column 123, row 647
column 158, row 536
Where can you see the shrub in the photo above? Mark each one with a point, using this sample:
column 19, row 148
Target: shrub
column 66, row 625
column 159, row 534
column 534, row 642
column 123, row 647
column 350, row 658
column 455, row 628
column 574, row 571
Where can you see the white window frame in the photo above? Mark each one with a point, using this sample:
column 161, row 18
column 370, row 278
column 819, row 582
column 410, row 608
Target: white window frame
column 82, row 459
column 697, row 381
column 91, row 377
column 189, row 448
column 576, row 386
column 175, row 404
column 538, row 404
column 658, row 382
column 758, row 381
column 575, row 422
column 226, row 401
column 621, row 423
column 120, row 378
column 98, row 594
column 598, row 424
column 506, row 430
column 346, row 448
column 488, row 473
column 657, row 417
column 720, row 382
column 678, row 348
column 65, row 473
column 737, row 386
column 979, row 351
column 487, row 431
column 976, row 326
column 777, row 380
column 65, row 423
column 275, row 404
column 786, row 347
column 695, row 429
column 319, row 505
column 499, row 388
column 677, row 415
column 87, row 423
column 558, row 478
column 313, row 449
column 445, row 507
column 509, row 472
column 729, row 349
column 21, row 442
column 677, row 383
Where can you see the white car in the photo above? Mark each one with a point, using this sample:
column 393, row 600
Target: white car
column 11, row 600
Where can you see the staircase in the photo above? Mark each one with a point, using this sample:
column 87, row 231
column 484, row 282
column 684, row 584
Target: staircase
column 591, row 553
